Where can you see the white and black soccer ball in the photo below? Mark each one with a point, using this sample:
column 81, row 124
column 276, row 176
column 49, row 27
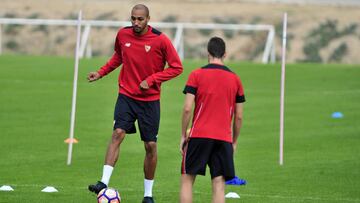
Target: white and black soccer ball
column 108, row 195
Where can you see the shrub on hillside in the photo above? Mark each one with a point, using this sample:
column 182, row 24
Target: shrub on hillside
column 320, row 37
column 12, row 45
column 339, row 53
column 227, row 33
column 105, row 16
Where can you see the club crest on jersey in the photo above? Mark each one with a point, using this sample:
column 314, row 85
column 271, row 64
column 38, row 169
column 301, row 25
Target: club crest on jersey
column 147, row 48
column 128, row 44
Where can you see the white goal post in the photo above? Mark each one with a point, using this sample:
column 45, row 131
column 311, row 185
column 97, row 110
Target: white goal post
column 85, row 46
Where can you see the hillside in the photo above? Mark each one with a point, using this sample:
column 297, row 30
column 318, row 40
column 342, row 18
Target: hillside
column 317, row 33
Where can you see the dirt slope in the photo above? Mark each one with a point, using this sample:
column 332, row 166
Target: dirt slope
column 338, row 25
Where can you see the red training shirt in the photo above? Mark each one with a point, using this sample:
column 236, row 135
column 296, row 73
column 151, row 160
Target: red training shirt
column 143, row 58
column 217, row 90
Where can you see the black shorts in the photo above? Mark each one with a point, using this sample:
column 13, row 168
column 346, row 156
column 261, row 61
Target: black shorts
column 218, row 155
column 147, row 113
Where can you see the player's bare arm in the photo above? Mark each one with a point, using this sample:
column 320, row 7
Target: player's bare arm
column 186, row 116
column 93, row 76
column 238, row 116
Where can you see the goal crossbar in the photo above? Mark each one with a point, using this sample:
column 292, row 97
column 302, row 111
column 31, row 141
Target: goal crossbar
column 268, row 54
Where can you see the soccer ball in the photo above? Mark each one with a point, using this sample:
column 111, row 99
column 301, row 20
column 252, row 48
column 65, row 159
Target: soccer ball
column 108, row 195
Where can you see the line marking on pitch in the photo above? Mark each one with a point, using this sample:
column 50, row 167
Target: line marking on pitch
column 198, row 192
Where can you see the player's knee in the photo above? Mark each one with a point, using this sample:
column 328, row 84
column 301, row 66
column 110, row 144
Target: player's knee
column 118, row 135
column 150, row 148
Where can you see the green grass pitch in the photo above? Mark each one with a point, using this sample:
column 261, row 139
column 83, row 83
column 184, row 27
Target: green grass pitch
column 321, row 154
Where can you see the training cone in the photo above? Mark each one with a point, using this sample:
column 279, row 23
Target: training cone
column 49, row 189
column 232, row 195
column 69, row 140
column 6, row 188
column 337, row 115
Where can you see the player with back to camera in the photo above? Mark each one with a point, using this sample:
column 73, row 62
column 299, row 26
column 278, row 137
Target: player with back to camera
column 218, row 96
column 143, row 52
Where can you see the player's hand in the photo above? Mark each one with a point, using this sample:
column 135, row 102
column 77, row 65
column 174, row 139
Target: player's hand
column 144, row 85
column 234, row 145
column 183, row 144
column 184, row 141
column 93, row 76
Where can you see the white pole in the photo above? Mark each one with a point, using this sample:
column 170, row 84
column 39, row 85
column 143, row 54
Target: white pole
column 73, row 108
column 282, row 96
column 84, row 40
column 0, row 39
column 177, row 39
column 268, row 45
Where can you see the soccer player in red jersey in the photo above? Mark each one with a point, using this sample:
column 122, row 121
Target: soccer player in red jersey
column 218, row 96
column 143, row 52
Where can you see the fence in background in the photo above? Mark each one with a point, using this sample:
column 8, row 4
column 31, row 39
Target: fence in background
column 178, row 40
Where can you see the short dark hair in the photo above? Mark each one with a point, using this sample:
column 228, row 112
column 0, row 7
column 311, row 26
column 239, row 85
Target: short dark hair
column 216, row 47
column 142, row 7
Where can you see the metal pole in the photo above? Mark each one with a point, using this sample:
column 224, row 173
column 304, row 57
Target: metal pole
column 268, row 45
column 73, row 108
column 282, row 96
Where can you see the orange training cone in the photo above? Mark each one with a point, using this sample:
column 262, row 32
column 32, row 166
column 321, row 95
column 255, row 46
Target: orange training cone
column 69, row 140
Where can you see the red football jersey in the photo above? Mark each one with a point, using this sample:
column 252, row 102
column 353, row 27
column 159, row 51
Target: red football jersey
column 143, row 58
column 217, row 90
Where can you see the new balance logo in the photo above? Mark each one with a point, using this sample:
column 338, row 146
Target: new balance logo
column 147, row 48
